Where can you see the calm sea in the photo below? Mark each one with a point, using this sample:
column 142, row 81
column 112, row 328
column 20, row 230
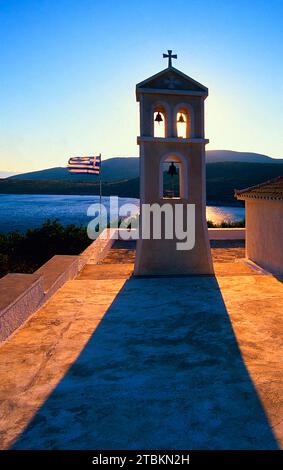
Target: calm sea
column 21, row 211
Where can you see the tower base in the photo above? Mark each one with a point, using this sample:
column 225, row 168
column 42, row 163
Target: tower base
column 160, row 257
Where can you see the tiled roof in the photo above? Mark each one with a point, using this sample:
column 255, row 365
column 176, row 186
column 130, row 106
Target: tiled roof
column 272, row 190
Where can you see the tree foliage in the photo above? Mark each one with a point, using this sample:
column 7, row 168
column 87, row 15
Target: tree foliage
column 24, row 253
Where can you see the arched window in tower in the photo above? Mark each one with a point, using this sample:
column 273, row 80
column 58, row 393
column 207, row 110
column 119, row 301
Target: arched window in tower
column 182, row 121
column 159, row 123
column 171, row 178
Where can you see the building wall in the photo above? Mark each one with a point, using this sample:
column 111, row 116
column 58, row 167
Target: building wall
column 264, row 234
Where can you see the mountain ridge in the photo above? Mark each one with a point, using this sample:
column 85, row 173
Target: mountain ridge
column 119, row 168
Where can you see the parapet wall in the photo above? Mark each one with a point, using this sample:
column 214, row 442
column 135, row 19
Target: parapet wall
column 227, row 233
column 97, row 250
column 22, row 294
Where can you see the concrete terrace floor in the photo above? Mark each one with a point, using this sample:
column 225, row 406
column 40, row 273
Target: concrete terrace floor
column 114, row 362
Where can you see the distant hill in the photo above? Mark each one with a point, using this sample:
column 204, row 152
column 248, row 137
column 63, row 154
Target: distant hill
column 112, row 169
column 6, row 174
column 222, row 179
column 115, row 169
column 219, row 156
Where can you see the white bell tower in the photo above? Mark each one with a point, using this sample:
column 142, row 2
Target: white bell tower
column 172, row 147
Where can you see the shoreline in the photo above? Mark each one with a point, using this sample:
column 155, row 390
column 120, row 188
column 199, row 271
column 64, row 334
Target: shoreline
column 208, row 204
column 19, row 212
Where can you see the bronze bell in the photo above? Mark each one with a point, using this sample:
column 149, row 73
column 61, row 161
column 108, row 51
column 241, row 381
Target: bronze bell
column 181, row 118
column 158, row 117
column 172, row 170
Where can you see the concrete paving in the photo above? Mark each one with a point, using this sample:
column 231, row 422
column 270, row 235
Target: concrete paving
column 115, row 362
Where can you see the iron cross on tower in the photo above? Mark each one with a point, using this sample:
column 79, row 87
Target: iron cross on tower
column 169, row 56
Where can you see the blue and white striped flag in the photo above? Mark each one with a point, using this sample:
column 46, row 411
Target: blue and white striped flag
column 85, row 165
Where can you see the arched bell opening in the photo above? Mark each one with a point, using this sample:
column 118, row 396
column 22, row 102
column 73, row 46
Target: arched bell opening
column 159, row 122
column 182, row 125
column 184, row 121
column 173, row 173
column 160, row 113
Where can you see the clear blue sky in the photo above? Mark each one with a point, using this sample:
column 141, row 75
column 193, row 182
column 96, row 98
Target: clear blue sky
column 69, row 69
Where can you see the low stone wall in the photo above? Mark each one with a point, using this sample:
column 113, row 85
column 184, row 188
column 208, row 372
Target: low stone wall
column 98, row 249
column 58, row 270
column 213, row 233
column 20, row 296
column 227, row 233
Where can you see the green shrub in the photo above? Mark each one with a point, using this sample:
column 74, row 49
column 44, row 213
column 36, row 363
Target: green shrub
column 24, row 253
column 228, row 224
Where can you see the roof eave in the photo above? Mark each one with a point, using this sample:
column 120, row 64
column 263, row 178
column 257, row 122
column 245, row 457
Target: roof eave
column 248, row 196
column 166, row 91
column 248, row 193
column 140, row 86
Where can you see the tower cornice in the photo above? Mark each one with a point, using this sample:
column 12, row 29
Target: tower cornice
column 170, row 140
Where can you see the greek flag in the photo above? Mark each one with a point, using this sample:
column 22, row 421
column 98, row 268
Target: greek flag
column 85, row 165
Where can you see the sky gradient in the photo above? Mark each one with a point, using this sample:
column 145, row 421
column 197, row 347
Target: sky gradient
column 69, row 70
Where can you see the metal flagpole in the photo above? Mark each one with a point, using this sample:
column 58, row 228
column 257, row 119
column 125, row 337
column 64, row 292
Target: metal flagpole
column 100, row 248
column 100, row 194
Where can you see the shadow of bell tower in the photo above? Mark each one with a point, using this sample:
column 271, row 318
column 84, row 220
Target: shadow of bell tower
column 172, row 134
